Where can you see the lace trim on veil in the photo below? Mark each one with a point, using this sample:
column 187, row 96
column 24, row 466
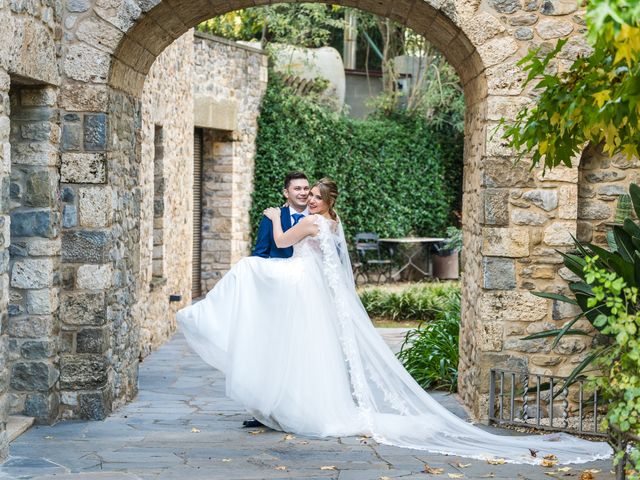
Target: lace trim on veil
column 335, row 268
column 375, row 396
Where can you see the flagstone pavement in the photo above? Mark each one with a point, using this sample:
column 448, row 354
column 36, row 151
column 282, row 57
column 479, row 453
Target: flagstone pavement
column 181, row 426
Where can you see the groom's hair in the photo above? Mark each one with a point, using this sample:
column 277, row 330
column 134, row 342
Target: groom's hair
column 294, row 176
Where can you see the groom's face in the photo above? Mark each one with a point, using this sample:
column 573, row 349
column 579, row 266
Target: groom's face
column 297, row 194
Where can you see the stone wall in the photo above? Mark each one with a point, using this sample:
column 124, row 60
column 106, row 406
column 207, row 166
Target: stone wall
column 232, row 79
column 602, row 180
column 35, row 252
column 5, row 238
column 29, row 34
column 89, row 60
column 525, row 216
column 166, row 183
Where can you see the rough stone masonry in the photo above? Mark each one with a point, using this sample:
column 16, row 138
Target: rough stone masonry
column 96, row 150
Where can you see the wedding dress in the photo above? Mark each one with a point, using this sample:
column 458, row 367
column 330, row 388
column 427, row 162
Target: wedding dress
column 300, row 353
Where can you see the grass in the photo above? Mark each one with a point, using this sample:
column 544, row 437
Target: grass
column 382, row 323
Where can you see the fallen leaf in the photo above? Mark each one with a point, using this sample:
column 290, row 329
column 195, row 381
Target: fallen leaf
column 546, row 462
column 564, row 469
column 550, row 456
column 280, row 467
column 586, row 475
column 256, row 432
column 195, row 430
column 431, row 470
column 463, row 465
column 226, row 459
column 496, row 461
column 328, row 467
column 455, row 475
column 288, row 436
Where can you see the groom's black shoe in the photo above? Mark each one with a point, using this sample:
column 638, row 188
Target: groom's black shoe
column 253, row 423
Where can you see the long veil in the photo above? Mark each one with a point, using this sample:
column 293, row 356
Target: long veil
column 396, row 409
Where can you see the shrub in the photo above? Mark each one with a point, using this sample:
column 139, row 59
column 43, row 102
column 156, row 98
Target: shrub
column 397, row 176
column 418, row 302
column 607, row 294
column 430, row 352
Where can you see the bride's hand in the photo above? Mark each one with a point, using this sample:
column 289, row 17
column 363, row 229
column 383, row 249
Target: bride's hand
column 272, row 213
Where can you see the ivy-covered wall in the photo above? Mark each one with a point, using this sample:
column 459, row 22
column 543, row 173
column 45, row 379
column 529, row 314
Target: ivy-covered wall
column 397, row 176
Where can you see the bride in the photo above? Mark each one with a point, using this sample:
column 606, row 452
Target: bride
column 300, row 353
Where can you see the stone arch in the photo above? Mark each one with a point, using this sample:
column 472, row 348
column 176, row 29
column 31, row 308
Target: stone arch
column 455, row 28
column 113, row 50
column 513, row 218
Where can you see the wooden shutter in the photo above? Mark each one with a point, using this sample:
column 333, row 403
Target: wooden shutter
column 196, row 285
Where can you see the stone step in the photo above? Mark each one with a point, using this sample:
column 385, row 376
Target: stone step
column 17, row 425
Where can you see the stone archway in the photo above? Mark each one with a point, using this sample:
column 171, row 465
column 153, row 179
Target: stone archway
column 450, row 27
column 513, row 219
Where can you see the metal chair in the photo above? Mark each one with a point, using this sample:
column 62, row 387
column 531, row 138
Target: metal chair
column 359, row 276
column 370, row 259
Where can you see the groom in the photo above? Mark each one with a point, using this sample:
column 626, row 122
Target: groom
column 296, row 191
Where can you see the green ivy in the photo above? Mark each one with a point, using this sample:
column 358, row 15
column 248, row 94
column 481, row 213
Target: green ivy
column 397, row 177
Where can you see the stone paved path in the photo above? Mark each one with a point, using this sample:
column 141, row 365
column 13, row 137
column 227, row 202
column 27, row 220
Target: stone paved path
column 181, row 426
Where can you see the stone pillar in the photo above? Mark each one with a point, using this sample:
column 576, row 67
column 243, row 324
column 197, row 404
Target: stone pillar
column 86, row 263
column 35, row 252
column 523, row 217
column 5, row 170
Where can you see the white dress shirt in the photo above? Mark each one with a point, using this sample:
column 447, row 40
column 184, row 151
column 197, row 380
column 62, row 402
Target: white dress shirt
column 305, row 212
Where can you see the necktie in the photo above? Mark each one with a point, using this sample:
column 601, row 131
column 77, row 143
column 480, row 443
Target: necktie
column 296, row 218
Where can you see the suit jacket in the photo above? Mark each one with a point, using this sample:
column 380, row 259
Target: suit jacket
column 265, row 244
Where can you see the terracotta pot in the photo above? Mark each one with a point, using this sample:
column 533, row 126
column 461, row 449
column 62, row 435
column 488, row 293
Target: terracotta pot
column 446, row 267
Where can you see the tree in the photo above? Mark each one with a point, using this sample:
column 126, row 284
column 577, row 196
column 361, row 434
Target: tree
column 302, row 24
column 436, row 93
column 597, row 100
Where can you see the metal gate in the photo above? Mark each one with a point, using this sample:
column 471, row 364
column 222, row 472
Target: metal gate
column 196, row 285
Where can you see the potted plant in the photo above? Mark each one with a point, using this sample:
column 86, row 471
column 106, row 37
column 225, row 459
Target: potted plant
column 446, row 265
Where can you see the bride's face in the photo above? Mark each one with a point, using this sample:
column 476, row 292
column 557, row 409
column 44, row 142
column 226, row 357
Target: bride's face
column 316, row 204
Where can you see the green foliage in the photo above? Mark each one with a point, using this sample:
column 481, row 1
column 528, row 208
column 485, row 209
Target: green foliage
column 301, row 24
column 430, row 352
column 597, row 100
column 436, row 95
column 623, row 208
column 608, row 297
column 397, row 177
column 453, row 243
column 423, row 302
column 619, row 362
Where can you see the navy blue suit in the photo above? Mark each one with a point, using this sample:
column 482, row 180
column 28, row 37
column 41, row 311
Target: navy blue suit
column 265, row 244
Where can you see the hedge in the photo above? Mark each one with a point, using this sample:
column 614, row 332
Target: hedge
column 397, row 177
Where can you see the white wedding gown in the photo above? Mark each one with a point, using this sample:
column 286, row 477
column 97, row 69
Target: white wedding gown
column 300, row 353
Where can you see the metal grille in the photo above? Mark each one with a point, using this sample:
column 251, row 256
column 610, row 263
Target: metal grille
column 196, row 286
column 543, row 402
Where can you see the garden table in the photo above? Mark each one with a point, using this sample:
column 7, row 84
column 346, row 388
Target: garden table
column 415, row 245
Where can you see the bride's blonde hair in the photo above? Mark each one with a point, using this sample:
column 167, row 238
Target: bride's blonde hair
column 329, row 193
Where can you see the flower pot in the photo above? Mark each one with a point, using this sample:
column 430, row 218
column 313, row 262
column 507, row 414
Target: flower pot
column 446, row 266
